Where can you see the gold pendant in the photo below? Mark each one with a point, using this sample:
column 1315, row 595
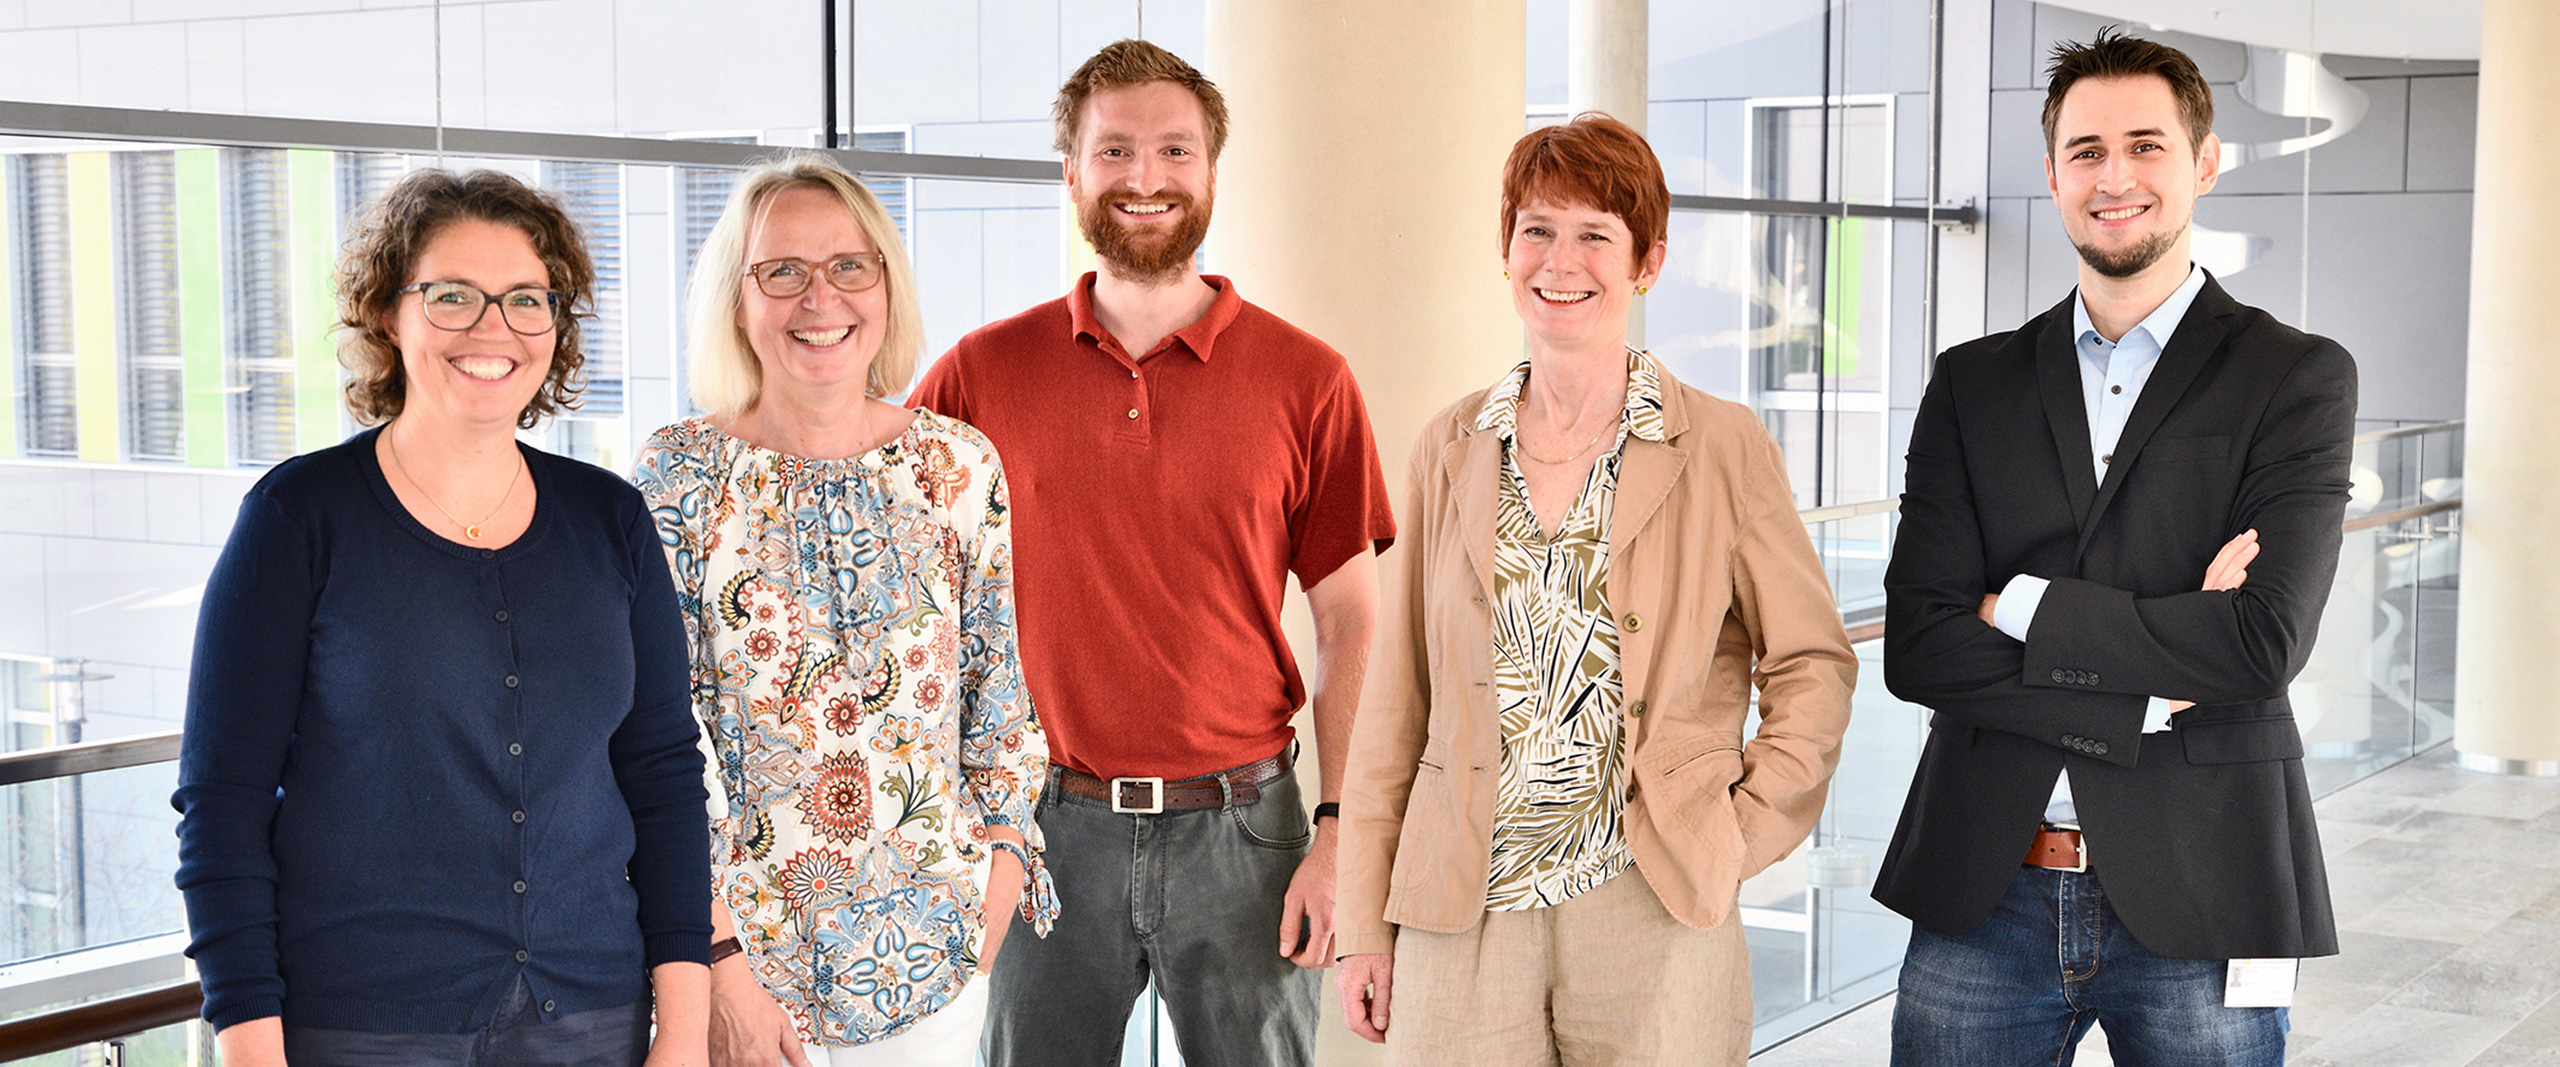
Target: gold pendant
column 472, row 532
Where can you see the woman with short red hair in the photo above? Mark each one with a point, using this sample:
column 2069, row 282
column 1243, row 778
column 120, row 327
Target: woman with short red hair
column 1551, row 804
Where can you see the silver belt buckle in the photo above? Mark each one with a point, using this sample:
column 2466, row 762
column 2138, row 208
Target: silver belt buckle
column 2081, row 848
column 1154, row 806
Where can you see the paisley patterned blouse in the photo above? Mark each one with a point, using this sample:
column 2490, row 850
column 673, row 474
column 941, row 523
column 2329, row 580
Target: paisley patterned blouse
column 852, row 630
column 1556, row 829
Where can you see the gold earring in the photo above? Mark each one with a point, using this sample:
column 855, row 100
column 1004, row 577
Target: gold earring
column 1643, row 289
column 1506, row 275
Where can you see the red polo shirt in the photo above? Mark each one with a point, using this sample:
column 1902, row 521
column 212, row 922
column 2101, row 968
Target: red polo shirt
column 1159, row 506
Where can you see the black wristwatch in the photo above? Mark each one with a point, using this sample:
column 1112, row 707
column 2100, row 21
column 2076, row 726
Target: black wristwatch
column 1328, row 810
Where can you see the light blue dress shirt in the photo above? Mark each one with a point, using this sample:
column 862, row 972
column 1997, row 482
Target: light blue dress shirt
column 2111, row 378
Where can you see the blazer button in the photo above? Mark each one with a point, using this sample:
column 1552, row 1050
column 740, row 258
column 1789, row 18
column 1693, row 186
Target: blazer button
column 1636, row 709
column 2089, row 678
column 1635, row 622
column 2097, row 748
column 2058, row 676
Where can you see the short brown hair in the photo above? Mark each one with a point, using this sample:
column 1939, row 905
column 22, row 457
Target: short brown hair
column 726, row 378
column 2110, row 54
column 1593, row 161
column 384, row 249
column 1124, row 63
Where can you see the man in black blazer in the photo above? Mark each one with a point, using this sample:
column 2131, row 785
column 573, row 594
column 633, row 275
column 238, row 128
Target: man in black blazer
column 2119, row 525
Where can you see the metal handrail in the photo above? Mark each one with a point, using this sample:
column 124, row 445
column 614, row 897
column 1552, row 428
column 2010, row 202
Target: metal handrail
column 2367, row 522
column 2407, row 431
column 1836, row 512
column 63, row 761
column 101, row 1020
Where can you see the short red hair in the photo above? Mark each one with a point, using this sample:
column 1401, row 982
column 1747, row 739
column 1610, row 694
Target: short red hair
column 1595, row 162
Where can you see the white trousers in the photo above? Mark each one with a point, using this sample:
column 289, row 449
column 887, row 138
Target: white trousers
column 946, row 1038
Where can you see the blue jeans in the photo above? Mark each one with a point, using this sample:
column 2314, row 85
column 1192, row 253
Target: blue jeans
column 1191, row 899
column 2024, row 987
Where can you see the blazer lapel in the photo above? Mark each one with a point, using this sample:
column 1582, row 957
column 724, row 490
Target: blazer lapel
column 2197, row 337
column 2066, row 414
column 1472, row 468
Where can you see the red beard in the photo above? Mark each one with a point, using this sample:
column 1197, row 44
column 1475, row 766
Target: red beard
column 1144, row 255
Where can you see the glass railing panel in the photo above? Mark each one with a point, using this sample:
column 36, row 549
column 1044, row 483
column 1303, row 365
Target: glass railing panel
column 1819, row 944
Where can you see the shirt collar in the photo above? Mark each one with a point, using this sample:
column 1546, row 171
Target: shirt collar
column 1501, row 409
column 2158, row 325
column 1200, row 337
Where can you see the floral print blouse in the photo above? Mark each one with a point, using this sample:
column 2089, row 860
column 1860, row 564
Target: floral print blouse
column 1557, row 689
column 852, row 630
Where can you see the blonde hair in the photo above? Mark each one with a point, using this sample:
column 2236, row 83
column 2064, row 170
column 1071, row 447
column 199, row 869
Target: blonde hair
column 726, row 379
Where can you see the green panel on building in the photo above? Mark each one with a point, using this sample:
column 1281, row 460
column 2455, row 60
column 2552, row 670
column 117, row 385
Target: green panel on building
column 200, row 327
column 93, row 302
column 313, row 174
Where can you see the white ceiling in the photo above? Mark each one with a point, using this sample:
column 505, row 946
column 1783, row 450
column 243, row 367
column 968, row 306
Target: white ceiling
column 2392, row 29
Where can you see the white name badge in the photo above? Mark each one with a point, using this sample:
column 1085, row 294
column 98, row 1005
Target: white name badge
column 2259, row 983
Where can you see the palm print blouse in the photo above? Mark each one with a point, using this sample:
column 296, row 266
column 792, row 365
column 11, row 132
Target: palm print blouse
column 854, row 666
column 1556, row 829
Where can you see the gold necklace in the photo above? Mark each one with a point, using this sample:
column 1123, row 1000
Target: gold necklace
column 1521, row 445
column 470, row 530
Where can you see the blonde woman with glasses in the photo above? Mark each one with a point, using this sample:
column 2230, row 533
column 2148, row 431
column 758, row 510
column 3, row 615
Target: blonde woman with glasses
column 848, row 565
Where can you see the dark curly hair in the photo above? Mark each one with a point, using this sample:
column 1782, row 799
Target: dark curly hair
column 384, row 249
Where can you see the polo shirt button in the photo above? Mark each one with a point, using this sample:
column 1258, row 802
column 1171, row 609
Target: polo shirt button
column 514, row 749
column 511, row 681
column 519, row 887
column 1636, row 709
column 502, row 615
column 1635, row 622
column 519, row 816
column 1133, row 413
column 550, row 1005
column 522, row 955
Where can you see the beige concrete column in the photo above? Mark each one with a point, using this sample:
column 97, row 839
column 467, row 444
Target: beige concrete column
column 1606, row 62
column 2510, row 614
column 1360, row 193
column 1606, row 69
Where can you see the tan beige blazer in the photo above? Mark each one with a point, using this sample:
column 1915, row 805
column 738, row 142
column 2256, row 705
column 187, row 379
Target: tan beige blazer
column 1716, row 588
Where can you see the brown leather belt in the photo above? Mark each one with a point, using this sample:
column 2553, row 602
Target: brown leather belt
column 1149, row 796
column 2058, row 848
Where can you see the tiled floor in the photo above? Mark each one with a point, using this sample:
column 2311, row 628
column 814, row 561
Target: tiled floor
column 2447, row 888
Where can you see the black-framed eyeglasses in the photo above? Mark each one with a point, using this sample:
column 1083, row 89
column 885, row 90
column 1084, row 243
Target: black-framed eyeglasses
column 459, row 306
column 851, row 272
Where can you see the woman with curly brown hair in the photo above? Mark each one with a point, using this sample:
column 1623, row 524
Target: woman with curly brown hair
column 442, row 800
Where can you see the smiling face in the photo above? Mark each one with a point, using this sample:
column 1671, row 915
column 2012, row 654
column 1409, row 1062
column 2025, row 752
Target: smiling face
column 817, row 347
column 1574, row 273
column 2126, row 175
column 1142, row 179
column 487, row 373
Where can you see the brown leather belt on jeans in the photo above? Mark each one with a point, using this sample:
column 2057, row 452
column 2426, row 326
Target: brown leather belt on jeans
column 2058, row 848
column 1149, row 796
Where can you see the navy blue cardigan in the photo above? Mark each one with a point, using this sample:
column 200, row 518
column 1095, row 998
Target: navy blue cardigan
column 415, row 770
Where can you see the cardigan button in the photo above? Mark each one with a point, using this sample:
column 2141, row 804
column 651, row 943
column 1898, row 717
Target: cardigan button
column 518, row 817
column 511, row 681
column 1636, row 709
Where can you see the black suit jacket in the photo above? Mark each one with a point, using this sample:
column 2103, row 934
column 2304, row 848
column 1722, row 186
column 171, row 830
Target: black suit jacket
column 2203, row 836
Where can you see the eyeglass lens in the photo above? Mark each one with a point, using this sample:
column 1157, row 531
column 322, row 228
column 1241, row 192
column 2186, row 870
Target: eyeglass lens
column 780, row 278
column 460, row 305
